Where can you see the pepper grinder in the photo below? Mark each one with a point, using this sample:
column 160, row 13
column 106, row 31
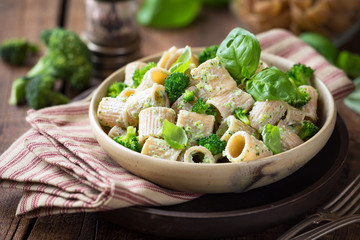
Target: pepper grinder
column 111, row 34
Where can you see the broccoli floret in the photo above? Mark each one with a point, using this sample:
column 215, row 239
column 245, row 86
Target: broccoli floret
column 115, row 89
column 213, row 143
column 67, row 58
column 200, row 106
column 188, row 96
column 240, row 114
column 175, row 85
column 40, row 94
column 349, row 62
column 130, row 140
column 139, row 73
column 208, row 53
column 15, row 51
column 300, row 74
column 307, row 130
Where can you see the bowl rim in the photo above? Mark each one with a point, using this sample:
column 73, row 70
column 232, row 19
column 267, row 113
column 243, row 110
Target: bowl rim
column 96, row 127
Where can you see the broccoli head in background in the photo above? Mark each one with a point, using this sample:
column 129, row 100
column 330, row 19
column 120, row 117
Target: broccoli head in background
column 213, row 143
column 67, row 58
column 208, row 53
column 16, row 51
column 300, row 74
column 39, row 93
column 240, row 114
column 139, row 73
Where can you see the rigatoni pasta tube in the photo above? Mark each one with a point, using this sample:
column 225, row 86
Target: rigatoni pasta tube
column 196, row 125
column 228, row 102
column 109, row 110
column 159, row 148
column 289, row 139
column 129, row 71
column 151, row 97
column 154, row 75
column 212, row 79
column 310, row 109
column 264, row 112
column 243, row 147
column 151, row 121
column 231, row 125
column 198, row 154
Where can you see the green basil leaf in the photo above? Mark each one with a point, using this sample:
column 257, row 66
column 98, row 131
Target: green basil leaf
column 240, row 53
column 183, row 62
column 175, row 136
column 271, row 138
column 272, row 84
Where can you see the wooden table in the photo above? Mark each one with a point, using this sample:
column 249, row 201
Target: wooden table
column 27, row 18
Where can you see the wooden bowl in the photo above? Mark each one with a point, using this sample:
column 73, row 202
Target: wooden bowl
column 219, row 177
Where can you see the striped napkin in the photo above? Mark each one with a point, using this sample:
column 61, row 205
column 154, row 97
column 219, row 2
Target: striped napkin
column 62, row 169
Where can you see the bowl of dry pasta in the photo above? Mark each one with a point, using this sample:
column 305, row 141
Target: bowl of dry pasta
column 187, row 120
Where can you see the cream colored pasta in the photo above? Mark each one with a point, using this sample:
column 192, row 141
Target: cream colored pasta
column 129, row 71
column 310, row 109
column 125, row 94
column 116, row 131
column 159, row 148
column 229, row 101
column 212, row 79
column 165, row 57
column 289, row 139
column 231, row 125
column 196, row 125
column 293, row 115
column 109, row 111
column 198, row 154
column 151, row 97
column 243, row 147
column 154, row 75
column 180, row 104
column 151, row 121
column 264, row 112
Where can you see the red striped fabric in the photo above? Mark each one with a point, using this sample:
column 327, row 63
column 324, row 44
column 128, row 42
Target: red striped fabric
column 62, row 169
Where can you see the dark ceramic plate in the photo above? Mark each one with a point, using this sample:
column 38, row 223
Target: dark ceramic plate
column 234, row 214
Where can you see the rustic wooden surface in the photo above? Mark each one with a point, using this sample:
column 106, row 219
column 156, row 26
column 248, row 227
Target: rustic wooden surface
column 27, row 18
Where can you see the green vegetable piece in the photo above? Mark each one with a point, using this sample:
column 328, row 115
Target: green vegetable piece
column 271, row 138
column 353, row 100
column 208, row 53
column 188, row 96
column 130, row 140
column 139, row 73
column 175, row 136
column 201, row 107
column 321, row 44
column 350, row 63
column 168, row 13
column 40, row 94
column 240, row 114
column 66, row 58
column 115, row 89
column 18, row 91
column 16, row 51
column 213, row 144
column 240, row 52
column 300, row 74
column 307, row 130
column 183, row 62
column 273, row 84
column 175, row 85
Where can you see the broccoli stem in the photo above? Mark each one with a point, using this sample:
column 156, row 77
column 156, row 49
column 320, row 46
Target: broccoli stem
column 18, row 91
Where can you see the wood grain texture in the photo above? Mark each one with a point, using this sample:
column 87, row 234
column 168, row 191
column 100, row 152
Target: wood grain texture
column 27, row 18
